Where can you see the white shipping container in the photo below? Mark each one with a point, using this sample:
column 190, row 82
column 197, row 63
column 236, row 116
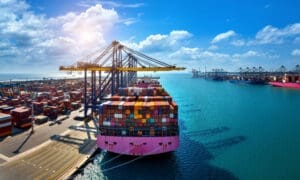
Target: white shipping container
column 4, row 117
column 118, row 116
column 171, row 115
column 5, row 124
column 120, row 105
column 123, row 132
column 164, row 120
column 106, row 123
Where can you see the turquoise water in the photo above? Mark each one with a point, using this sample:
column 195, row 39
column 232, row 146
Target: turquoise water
column 268, row 118
column 228, row 131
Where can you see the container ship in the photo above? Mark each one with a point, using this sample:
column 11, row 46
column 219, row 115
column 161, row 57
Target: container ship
column 287, row 81
column 285, row 85
column 139, row 120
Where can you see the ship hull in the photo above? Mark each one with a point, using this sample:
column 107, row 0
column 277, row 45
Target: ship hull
column 285, row 85
column 138, row 146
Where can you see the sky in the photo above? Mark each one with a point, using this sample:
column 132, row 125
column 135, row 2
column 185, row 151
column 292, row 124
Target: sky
column 39, row 35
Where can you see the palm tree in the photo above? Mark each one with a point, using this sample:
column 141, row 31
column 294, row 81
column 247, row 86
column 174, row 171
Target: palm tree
column 260, row 69
column 247, row 69
column 241, row 69
column 282, row 69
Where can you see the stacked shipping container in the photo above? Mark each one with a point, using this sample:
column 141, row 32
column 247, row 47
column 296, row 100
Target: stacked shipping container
column 5, row 124
column 151, row 112
column 139, row 120
column 20, row 117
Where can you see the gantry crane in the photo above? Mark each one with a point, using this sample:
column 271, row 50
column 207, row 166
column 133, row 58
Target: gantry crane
column 119, row 65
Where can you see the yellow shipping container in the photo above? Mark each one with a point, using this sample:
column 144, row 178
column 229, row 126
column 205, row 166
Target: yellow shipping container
column 136, row 111
column 138, row 104
column 136, row 115
column 147, row 116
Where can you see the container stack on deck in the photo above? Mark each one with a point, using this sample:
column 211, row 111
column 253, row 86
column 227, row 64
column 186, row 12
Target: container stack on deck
column 5, row 124
column 144, row 110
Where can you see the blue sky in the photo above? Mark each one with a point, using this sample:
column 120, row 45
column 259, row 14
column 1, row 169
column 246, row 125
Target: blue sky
column 40, row 35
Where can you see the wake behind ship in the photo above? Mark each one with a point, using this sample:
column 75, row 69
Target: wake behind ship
column 139, row 120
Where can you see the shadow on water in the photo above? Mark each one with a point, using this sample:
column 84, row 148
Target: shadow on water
column 225, row 142
column 189, row 161
column 191, row 110
column 207, row 132
column 187, row 105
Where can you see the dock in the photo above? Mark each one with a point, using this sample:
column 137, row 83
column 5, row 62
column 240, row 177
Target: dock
column 56, row 153
column 255, row 75
column 58, row 157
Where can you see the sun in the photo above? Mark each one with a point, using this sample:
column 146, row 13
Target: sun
column 85, row 36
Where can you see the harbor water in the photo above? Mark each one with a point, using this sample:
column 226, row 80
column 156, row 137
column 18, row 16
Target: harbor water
column 228, row 131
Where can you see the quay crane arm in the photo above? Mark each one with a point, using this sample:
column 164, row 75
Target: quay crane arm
column 114, row 48
column 120, row 65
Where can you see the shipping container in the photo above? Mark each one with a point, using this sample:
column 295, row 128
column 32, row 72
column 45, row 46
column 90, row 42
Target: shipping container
column 21, row 117
column 5, row 124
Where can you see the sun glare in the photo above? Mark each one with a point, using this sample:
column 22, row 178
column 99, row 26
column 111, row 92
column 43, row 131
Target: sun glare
column 85, row 36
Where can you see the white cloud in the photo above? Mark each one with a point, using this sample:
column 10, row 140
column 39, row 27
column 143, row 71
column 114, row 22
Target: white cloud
column 213, row 47
column 247, row 54
column 88, row 28
column 178, row 35
column 274, row 35
column 112, row 4
column 188, row 53
column 130, row 21
column 32, row 38
column 161, row 42
column 116, row 5
column 251, row 54
column 297, row 40
column 223, row 36
column 296, row 52
column 238, row 42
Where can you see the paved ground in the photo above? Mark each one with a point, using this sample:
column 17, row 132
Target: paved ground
column 57, row 158
column 2, row 161
column 14, row 145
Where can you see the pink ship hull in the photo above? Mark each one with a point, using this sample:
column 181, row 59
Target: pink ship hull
column 138, row 145
column 285, row 85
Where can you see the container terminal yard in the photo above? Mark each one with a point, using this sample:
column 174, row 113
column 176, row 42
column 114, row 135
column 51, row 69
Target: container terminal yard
column 47, row 134
column 257, row 75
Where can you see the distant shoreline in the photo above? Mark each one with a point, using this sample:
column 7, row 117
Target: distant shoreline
column 37, row 79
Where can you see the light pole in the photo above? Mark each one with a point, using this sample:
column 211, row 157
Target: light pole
column 32, row 113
